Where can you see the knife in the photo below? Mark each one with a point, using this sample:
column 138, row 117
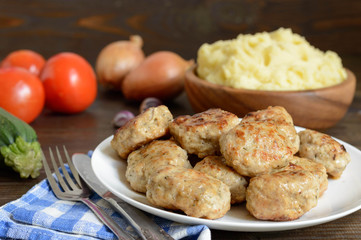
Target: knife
column 142, row 224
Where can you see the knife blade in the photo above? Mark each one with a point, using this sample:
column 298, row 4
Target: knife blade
column 142, row 224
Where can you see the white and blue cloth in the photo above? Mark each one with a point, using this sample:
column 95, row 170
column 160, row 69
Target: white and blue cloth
column 40, row 215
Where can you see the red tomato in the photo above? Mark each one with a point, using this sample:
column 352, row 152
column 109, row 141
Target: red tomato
column 21, row 93
column 27, row 59
column 69, row 82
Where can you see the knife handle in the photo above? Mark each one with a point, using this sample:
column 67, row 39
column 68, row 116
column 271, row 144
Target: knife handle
column 107, row 220
column 146, row 233
column 120, row 210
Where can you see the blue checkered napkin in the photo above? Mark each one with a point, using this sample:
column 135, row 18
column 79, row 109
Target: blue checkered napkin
column 40, row 215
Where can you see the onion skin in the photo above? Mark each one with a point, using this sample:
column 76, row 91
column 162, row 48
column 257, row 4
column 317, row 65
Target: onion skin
column 160, row 75
column 148, row 103
column 122, row 118
column 117, row 59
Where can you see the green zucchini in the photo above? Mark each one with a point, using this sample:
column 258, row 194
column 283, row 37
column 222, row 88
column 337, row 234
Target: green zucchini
column 19, row 146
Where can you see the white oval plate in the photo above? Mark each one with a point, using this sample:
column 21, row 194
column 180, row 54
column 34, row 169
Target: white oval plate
column 342, row 197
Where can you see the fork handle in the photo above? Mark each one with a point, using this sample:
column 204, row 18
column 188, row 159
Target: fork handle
column 145, row 227
column 107, row 220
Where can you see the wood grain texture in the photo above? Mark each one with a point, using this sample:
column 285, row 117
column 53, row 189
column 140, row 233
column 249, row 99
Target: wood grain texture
column 85, row 26
column 315, row 109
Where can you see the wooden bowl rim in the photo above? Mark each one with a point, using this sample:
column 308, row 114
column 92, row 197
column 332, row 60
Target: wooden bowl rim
column 193, row 77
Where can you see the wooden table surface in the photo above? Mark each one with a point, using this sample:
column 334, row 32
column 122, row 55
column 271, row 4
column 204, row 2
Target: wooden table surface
column 86, row 26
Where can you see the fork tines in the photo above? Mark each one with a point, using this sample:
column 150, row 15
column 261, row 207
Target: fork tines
column 67, row 183
column 67, row 188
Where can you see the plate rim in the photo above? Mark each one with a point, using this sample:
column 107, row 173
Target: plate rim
column 261, row 226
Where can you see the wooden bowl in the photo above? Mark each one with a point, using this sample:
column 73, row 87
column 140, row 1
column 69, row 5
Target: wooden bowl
column 314, row 109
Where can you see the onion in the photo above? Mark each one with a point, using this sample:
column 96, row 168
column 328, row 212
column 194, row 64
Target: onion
column 160, row 75
column 117, row 59
column 148, row 103
column 122, row 118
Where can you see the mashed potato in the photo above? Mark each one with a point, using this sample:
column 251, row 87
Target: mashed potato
column 279, row 60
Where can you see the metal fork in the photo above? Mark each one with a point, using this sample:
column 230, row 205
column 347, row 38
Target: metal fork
column 77, row 190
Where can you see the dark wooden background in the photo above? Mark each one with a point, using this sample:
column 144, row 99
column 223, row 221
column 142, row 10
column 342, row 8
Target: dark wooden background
column 86, row 26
